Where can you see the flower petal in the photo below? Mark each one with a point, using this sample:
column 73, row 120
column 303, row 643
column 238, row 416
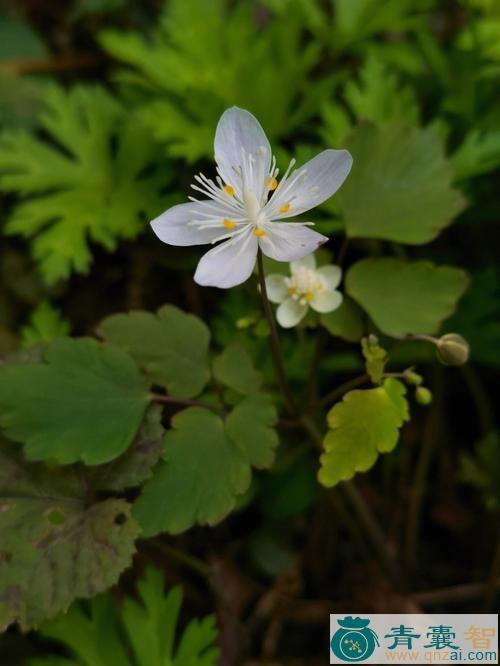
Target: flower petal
column 322, row 177
column 290, row 312
column 309, row 261
column 286, row 241
column 175, row 227
column 239, row 129
column 228, row 264
column 332, row 275
column 276, row 288
column 327, row 300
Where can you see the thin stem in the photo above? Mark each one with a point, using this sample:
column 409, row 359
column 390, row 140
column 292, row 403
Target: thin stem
column 343, row 249
column 275, row 342
column 360, row 507
column 363, row 513
column 190, row 561
column 343, row 388
column 419, row 483
column 170, row 400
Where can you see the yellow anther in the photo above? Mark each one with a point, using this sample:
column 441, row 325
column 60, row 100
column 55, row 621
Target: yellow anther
column 229, row 190
column 308, row 296
column 271, row 183
column 292, row 291
column 285, row 208
column 259, row 233
column 229, row 224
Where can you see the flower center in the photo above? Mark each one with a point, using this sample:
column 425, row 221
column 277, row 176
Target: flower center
column 255, row 216
column 304, row 285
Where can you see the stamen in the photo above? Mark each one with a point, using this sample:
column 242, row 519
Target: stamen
column 309, row 296
column 285, row 208
column 292, row 291
column 229, row 190
column 229, row 224
column 259, row 233
column 271, row 183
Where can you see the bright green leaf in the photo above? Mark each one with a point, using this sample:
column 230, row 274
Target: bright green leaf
column 365, row 424
column 478, row 153
column 137, row 632
column 378, row 97
column 234, row 368
column 171, row 346
column 54, row 546
column 78, row 186
column 84, row 402
column 346, row 321
column 405, row 297
column 46, row 324
column 375, row 358
column 399, row 188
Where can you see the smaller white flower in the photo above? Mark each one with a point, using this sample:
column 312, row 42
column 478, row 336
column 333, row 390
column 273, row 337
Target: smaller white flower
column 306, row 287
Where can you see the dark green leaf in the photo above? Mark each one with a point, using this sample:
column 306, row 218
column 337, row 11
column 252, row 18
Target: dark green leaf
column 84, row 402
column 170, row 346
column 399, row 188
column 406, row 297
column 54, row 547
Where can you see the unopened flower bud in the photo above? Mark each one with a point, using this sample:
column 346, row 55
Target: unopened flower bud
column 423, row 396
column 453, row 349
column 413, row 377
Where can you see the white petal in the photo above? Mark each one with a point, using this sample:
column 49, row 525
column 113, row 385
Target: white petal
column 239, row 129
column 173, row 226
column 228, row 264
column 322, row 177
column 309, row 261
column 326, row 301
column 276, row 288
column 332, row 275
column 290, row 312
column 286, row 241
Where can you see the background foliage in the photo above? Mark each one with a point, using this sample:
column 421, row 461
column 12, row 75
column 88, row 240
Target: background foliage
column 143, row 430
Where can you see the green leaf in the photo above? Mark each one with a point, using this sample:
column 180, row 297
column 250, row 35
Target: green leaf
column 478, row 153
column 202, row 473
column 46, row 324
column 234, row 368
column 84, row 402
column 405, row 297
column 375, row 357
column 215, row 49
column 142, row 632
column 206, row 466
column 399, row 188
column 170, row 346
column 54, row 546
column 136, row 464
column 378, row 97
column 345, row 322
column 19, row 41
column 85, row 183
column 250, row 426
column 365, row 424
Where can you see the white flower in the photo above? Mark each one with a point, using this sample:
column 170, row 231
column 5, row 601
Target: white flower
column 307, row 287
column 246, row 204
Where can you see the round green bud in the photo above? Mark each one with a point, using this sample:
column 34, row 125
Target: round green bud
column 413, row 377
column 423, row 396
column 453, row 349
